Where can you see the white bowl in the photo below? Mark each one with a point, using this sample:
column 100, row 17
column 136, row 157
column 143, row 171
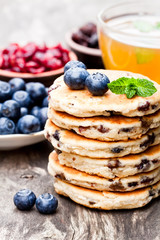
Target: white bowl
column 13, row 141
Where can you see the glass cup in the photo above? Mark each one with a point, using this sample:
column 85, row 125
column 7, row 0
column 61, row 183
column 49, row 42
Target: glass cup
column 129, row 37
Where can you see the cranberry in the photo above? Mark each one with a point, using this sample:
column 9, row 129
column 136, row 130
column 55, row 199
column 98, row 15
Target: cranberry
column 38, row 57
column 1, row 61
column 29, row 49
column 32, row 64
column 54, row 64
column 36, row 70
column 6, row 63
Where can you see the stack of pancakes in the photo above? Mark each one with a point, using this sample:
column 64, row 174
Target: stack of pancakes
column 107, row 148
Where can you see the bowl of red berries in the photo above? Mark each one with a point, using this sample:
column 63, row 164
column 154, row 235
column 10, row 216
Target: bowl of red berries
column 83, row 41
column 33, row 62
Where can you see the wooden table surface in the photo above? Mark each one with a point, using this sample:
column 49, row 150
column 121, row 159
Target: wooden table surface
column 27, row 168
column 48, row 21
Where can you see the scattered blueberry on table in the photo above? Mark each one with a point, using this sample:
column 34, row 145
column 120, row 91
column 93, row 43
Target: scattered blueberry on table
column 24, row 200
column 46, row 203
column 23, row 106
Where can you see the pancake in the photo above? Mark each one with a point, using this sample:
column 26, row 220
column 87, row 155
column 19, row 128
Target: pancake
column 114, row 167
column 106, row 128
column 82, row 103
column 71, row 142
column 107, row 200
column 85, row 180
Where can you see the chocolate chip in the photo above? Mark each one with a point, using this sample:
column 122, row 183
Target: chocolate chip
column 92, row 202
column 93, row 184
column 58, row 151
column 117, row 149
column 132, row 184
column 154, row 106
column 144, row 107
column 145, row 164
column 144, row 124
column 102, row 129
column 146, row 180
column 152, row 192
column 110, row 112
column 56, row 135
column 82, row 129
column 60, row 176
column 117, row 186
column 73, row 159
column 110, row 180
column 126, row 130
column 155, row 161
column 148, row 142
column 114, row 164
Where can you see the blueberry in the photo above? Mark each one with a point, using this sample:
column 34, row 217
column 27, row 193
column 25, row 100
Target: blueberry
column 35, row 111
column 7, row 126
column 24, row 199
column 47, row 91
column 97, row 83
column 46, row 203
column 43, row 116
column 73, row 64
column 23, row 111
column 11, row 109
column 23, row 98
column 74, row 78
column 17, row 84
column 36, row 91
column 45, row 102
column 5, row 91
column 28, row 124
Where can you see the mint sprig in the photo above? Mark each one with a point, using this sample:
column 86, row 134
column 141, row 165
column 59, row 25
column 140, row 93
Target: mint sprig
column 132, row 87
column 143, row 26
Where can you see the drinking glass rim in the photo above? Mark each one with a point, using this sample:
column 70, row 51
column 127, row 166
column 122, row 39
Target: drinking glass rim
column 111, row 29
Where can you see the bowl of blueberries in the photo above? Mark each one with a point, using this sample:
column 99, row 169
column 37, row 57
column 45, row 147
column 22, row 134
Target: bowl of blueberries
column 83, row 41
column 23, row 113
column 34, row 62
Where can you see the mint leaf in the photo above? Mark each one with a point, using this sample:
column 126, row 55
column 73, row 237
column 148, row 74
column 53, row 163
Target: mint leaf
column 145, row 88
column 130, row 90
column 144, row 55
column 132, row 87
column 118, row 86
column 143, row 26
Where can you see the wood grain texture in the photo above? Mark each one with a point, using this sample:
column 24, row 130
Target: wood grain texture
column 27, row 168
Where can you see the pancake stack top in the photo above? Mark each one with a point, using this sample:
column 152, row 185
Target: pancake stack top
column 107, row 152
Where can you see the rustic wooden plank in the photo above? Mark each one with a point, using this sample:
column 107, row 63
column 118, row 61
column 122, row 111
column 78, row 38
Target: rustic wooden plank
column 27, row 167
